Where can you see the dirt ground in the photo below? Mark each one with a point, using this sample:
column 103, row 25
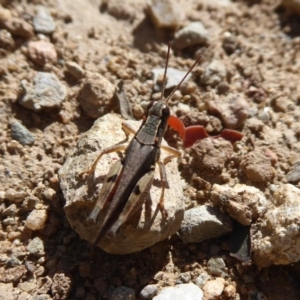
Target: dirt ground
column 118, row 40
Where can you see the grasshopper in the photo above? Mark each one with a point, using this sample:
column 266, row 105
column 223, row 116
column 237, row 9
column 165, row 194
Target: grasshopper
column 129, row 179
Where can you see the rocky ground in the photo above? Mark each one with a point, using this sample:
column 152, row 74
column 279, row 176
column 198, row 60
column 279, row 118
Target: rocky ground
column 60, row 64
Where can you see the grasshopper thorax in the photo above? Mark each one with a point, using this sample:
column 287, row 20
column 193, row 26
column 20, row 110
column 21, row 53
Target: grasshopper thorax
column 155, row 123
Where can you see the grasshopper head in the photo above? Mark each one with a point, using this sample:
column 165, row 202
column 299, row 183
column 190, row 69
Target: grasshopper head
column 158, row 109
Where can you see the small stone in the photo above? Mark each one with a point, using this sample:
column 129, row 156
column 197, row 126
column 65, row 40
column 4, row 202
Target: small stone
column 43, row 22
column 202, row 223
column 19, row 27
column 61, row 286
column 191, row 35
column 216, row 266
column 15, row 196
column 212, row 154
column 294, row 175
column 123, row 293
column 214, row 73
column 165, row 14
column 21, row 134
column 95, row 95
column 49, row 193
column 10, row 211
column 233, row 109
column 202, row 279
column 174, row 76
column 6, row 40
column 137, row 111
column 74, row 69
column 13, row 262
column 27, row 286
column 149, row 291
column 213, row 289
column 230, row 43
column 257, row 166
column 46, row 93
column 36, row 219
column 9, row 221
column 185, row 277
column 229, row 290
column 186, row 291
column 42, row 52
column 36, row 246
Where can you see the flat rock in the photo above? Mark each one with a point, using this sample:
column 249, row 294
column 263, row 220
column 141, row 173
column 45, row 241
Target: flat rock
column 145, row 227
column 46, row 92
column 202, row 223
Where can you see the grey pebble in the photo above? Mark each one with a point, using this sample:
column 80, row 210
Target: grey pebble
column 36, row 246
column 13, row 262
column 47, row 92
column 43, row 22
column 216, row 266
column 294, row 174
column 191, row 35
column 9, row 221
column 186, row 291
column 21, row 134
column 123, row 293
column 214, row 73
column 202, row 223
column 202, row 279
column 149, row 291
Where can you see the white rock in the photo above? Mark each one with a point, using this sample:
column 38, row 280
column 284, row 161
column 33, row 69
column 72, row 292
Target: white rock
column 188, row 291
column 144, row 228
column 36, row 219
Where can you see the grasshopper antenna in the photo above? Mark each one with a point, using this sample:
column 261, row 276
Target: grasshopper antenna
column 182, row 80
column 165, row 73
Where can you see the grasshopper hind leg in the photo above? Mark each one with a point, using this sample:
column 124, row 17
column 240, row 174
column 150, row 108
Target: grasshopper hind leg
column 134, row 202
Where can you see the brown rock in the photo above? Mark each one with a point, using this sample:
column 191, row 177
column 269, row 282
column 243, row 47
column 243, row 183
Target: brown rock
column 42, row 52
column 257, row 166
